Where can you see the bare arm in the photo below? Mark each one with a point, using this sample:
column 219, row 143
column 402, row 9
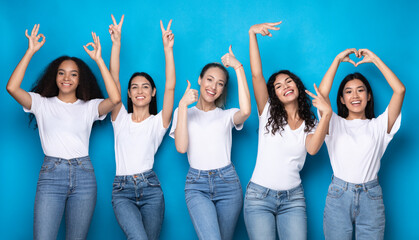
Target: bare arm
column 13, row 86
column 114, row 95
column 229, row 60
column 396, row 102
column 259, row 83
column 181, row 131
column 169, row 89
column 114, row 65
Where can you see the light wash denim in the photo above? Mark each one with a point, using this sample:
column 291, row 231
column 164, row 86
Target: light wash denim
column 64, row 185
column 138, row 204
column 350, row 205
column 268, row 211
column 214, row 199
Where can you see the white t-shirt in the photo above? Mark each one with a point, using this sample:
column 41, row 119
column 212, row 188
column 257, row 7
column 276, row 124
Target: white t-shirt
column 64, row 128
column 281, row 156
column 209, row 137
column 356, row 146
column 136, row 143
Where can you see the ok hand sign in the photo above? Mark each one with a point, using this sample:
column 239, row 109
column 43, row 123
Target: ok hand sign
column 34, row 43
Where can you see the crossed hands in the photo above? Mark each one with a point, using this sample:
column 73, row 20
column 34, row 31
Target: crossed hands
column 367, row 54
column 320, row 102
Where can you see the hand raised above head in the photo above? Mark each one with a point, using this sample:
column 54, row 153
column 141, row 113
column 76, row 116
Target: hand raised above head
column 263, row 28
column 167, row 35
column 229, row 60
column 95, row 54
column 115, row 29
column 34, row 43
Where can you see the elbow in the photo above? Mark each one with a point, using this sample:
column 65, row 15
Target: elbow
column 312, row 152
column 401, row 90
column 181, row 149
column 246, row 113
column 9, row 89
column 116, row 100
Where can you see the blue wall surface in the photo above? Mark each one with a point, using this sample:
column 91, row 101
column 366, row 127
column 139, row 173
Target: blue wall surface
column 312, row 34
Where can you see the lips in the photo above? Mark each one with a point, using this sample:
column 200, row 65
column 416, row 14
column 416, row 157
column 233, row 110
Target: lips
column 139, row 97
column 211, row 93
column 288, row 92
column 356, row 102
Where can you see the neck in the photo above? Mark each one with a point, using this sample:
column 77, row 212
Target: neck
column 204, row 105
column 67, row 98
column 139, row 114
column 292, row 111
column 352, row 116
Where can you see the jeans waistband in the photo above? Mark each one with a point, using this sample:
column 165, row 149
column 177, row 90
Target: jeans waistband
column 72, row 161
column 348, row 185
column 274, row 193
column 207, row 173
column 136, row 177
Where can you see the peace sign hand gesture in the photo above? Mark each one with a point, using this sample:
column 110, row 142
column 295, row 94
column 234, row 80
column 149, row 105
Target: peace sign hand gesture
column 34, row 43
column 320, row 102
column 95, row 54
column 168, row 36
column 263, row 28
column 115, row 29
column 229, row 60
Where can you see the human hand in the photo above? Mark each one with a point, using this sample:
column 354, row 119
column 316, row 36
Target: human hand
column 229, row 60
column 34, row 43
column 320, row 102
column 95, row 54
column 263, row 28
column 368, row 55
column 344, row 56
column 167, row 35
column 115, row 29
column 190, row 96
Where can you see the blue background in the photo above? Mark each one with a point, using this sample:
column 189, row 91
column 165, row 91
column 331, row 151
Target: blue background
column 311, row 35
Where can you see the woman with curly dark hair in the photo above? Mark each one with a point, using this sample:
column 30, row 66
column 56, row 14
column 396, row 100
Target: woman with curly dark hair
column 287, row 131
column 65, row 101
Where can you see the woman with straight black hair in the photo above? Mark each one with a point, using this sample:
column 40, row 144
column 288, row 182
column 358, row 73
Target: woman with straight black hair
column 65, row 101
column 356, row 142
column 137, row 197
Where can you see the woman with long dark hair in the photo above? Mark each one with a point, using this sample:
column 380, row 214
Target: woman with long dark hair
column 356, row 141
column 137, row 197
column 212, row 191
column 275, row 200
column 66, row 100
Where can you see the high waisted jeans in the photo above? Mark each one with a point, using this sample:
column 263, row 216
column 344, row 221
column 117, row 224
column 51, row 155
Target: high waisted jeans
column 138, row 204
column 267, row 211
column 351, row 205
column 64, row 185
column 214, row 199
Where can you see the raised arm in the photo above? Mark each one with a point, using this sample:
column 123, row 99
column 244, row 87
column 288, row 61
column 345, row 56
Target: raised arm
column 396, row 102
column 114, row 95
column 169, row 89
column 181, row 131
column 259, row 83
column 315, row 141
column 327, row 81
column 229, row 60
column 115, row 32
column 13, row 86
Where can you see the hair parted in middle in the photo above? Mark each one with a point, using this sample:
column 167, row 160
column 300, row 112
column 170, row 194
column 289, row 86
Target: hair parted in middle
column 152, row 108
column 220, row 101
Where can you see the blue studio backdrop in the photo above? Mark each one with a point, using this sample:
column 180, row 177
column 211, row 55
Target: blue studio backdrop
column 311, row 35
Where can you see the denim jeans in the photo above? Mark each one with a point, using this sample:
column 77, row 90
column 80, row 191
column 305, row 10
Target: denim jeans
column 64, row 185
column 267, row 211
column 351, row 205
column 214, row 199
column 138, row 204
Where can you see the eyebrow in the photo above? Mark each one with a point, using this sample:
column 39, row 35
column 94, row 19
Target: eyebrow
column 60, row 69
column 215, row 78
column 283, row 81
column 355, row 87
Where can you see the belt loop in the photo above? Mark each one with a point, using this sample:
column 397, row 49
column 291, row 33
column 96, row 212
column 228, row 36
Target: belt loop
column 288, row 194
column 142, row 174
column 346, row 186
column 364, row 187
column 199, row 174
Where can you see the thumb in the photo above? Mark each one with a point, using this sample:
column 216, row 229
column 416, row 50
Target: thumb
column 189, row 86
column 230, row 51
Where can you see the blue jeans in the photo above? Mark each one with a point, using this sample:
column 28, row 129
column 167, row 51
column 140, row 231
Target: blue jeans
column 267, row 211
column 351, row 205
column 68, row 185
column 138, row 204
column 214, row 199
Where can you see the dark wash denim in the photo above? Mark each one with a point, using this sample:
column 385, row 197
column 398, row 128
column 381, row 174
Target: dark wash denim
column 138, row 204
column 214, row 199
column 64, row 185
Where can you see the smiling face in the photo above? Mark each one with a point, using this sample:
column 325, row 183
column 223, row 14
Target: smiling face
column 141, row 91
column 285, row 89
column 355, row 97
column 67, row 77
column 212, row 84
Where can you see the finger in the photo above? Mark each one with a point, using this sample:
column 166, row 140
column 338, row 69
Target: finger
column 275, row 23
column 189, row 86
column 33, row 30
column 360, row 62
column 350, row 61
column 162, row 27
column 113, row 20
column 272, row 28
column 98, row 42
column 122, row 20
column 26, row 33
column 43, row 40
column 90, row 44
column 41, row 36
column 86, row 49
column 168, row 25
column 230, row 51
column 310, row 94
column 317, row 90
column 37, row 29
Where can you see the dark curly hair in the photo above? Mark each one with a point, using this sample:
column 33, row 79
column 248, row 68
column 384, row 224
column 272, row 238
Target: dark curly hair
column 220, row 101
column 342, row 109
column 46, row 85
column 152, row 107
column 278, row 114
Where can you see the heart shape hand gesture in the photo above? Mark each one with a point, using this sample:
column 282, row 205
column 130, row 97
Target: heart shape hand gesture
column 367, row 55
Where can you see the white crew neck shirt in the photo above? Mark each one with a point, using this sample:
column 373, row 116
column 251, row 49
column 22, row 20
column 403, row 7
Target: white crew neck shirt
column 136, row 143
column 281, row 156
column 64, row 128
column 356, row 146
column 210, row 137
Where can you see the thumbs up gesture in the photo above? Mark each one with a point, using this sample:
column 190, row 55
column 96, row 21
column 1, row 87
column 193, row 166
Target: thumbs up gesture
column 190, row 96
column 229, row 60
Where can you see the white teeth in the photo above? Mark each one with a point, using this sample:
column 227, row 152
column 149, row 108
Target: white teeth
column 210, row 92
column 356, row 102
column 66, row 84
column 140, row 97
column 288, row 92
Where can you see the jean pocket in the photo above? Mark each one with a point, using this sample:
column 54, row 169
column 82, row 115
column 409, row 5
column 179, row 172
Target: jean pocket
column 375, row 193
column 117, row 187
column 230, row 177
column 191, row 178
column 86, row 165
column 335, row 191
column 48, row 166
column 252, row 193
column 153, row 181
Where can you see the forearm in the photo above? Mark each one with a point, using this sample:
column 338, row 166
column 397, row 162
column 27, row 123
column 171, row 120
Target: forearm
column 114, row 64
column 169, row 90
column 111, row 88
column 316, row 140
column 181, row 132
column 17, row 76
column 327, row 81
column 255, row 60
column 391, row 78
column 244, row 95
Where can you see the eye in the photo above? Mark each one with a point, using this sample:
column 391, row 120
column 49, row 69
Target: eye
column 133, row 87
column 221, row 84
column 289, row 81
column 146, row 86
column 361, row 90
column 74, row 75
column 60, row 73
column 348, row 92
column 277, row 86
column 209, row 79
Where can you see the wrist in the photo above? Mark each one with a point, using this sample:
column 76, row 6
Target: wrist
column 168, row 49
column 238, row 67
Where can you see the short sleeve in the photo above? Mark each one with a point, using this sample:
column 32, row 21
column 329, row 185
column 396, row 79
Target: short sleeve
column 36, row 103
column 94, row 109
column 231, row 113
column 119, row 122
column 174, row 123
column 383, row 124
column 313, row 129
column 332, row 123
